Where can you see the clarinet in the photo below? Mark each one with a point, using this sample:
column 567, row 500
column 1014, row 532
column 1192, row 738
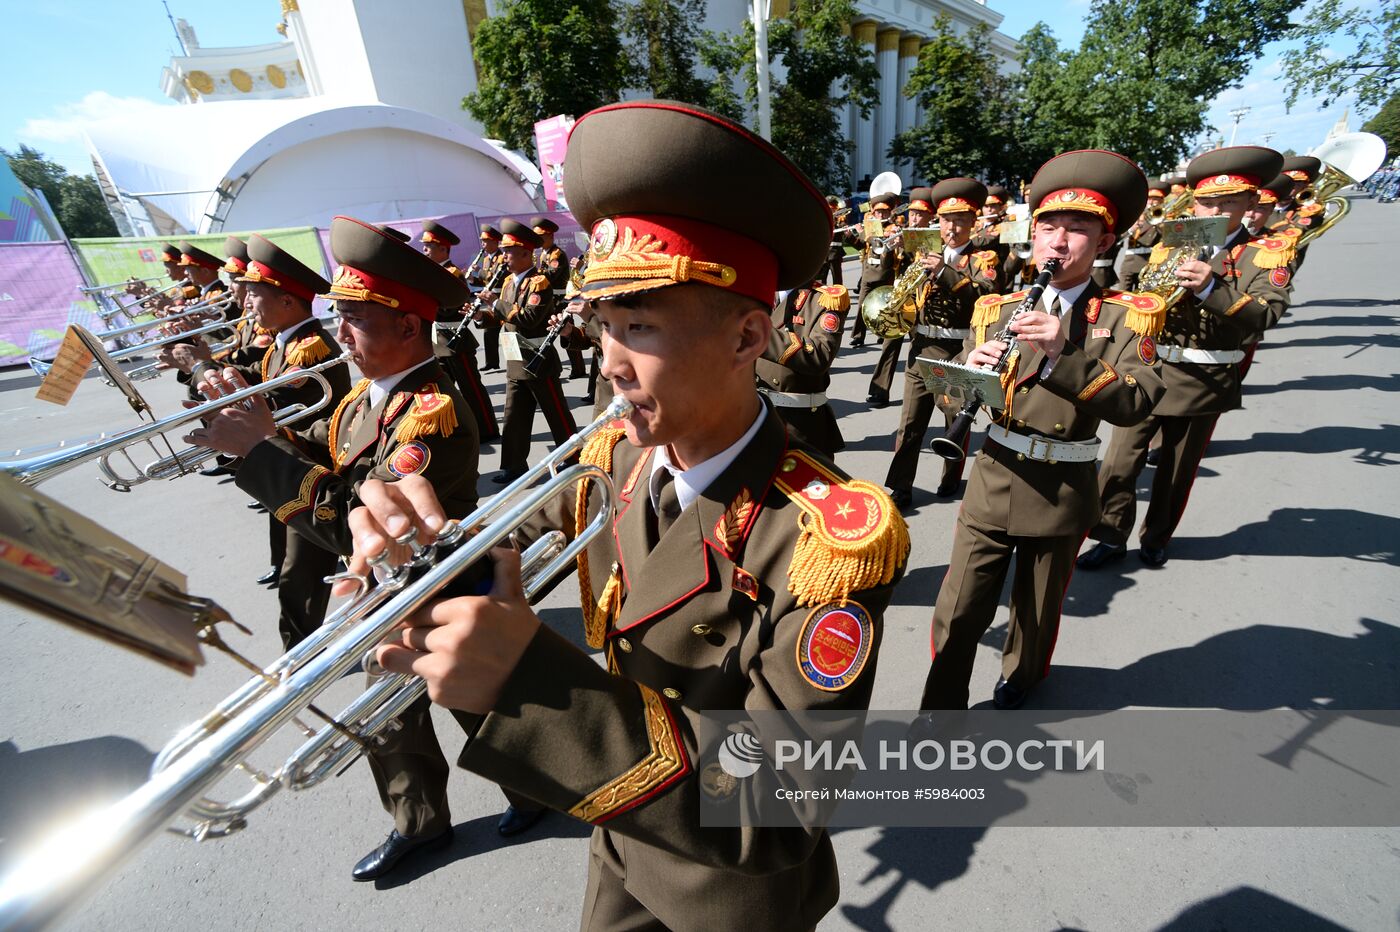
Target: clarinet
column 950, row 445
column 533, row 365
column 460, row 340
column 481, row 252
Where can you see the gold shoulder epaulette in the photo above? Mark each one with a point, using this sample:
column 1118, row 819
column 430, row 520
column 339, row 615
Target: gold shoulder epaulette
column 986, row 261
column 1312, row 210
column 1273, row 252
column 432, row 413
column 308, row 351
column 1147, row 311
column 987, row 311
column 852, row 536
column 833, row 298
column 597, row 616
column 598, row 451
column 537, row 283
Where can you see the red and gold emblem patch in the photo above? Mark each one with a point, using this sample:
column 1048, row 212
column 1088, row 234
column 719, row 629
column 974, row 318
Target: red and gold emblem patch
column 834, row 645
column 295, row 383
column 745, row 583
column 410, row 458
column 831, row 323
column 1279, row 277
column 533, row 300
column 1091, row 310
column 1147, row 349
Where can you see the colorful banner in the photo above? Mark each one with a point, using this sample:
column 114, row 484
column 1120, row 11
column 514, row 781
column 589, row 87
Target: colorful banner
column 23, row 213
column 39, row 297
column 551, row 139
column 115, row 259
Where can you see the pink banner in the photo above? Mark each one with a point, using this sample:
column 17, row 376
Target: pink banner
column 39, row 297
column 551, row 139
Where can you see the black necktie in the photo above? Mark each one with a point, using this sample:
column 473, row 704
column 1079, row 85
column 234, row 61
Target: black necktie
column 668, row 503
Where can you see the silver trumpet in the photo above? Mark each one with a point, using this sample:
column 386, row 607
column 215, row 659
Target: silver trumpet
column 119, row 332
column 70, row 863
column 118, row 286
column 41, row 367
column 134, row 308
column 42, row 467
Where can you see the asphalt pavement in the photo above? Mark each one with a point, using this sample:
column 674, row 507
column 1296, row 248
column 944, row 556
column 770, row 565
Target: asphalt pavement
column 1281, row 592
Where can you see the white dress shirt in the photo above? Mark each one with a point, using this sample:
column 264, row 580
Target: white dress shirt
column 691, row 482
column 1060, row 303
column 379, row 388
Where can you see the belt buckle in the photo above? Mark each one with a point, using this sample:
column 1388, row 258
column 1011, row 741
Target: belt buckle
column 1173, row 354
column 1046, row 445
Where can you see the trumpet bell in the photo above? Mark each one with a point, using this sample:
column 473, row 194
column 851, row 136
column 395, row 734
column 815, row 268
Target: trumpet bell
column 881, row 316
column 885, row 183
column 1356, row 156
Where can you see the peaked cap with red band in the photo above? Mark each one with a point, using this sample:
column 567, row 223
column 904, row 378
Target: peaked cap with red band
column 1302, row 167
column 1277, row 190
column 434, row 232
column 958, row 195
column 543, row 225
column 170, row 252
column 680, row 206
column 193, row 255
column 1092, row 181
column 375, row 266
column 272, row 265
column 515, row 233
column 491, row 233
column 237, row 252
column 1233, row 170
column 921, row 199
column 997, row 194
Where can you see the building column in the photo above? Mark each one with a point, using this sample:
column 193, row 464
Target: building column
column 887, row 60
column 908, row 58
column 865, row 125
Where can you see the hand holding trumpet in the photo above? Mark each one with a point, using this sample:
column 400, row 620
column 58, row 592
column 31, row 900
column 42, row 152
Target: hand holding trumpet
column 236, row 429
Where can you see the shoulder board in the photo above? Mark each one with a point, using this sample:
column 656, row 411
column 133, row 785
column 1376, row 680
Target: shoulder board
column 598, row 451
column 1311, row 210
column 456, row 272
column 432, row 413
column 537, row 283
column 833, row 298
column 987, row 309
column 851, row 538
column 1146, row 311
column 307, row 351
column 1274, row 252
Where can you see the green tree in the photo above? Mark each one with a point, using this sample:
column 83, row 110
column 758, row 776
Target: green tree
column 825, row 68
column 726, row 55
column 82, row 210
column 539, row 58
column 1386, row 124
column 666, row 34
column 76, row 200
column 1372, row 71
column 968, row 126
column 1046, row 107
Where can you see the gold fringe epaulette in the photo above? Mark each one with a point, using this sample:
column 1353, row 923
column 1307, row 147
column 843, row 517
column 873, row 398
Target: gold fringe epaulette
column 536, row 283
column 432, row 413
column 598, row 451
column 852, row 536
column 987, row 262
column 987, row 311
column 1159, row 254
column 308, row 351
column 1147, row 311
column 833, row 298
column 1312, row 210
column 1273, row 252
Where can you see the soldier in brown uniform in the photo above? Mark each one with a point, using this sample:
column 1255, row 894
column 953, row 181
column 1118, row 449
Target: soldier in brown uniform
column 552, row 262
column 1137, row 245
column 1294, row 219
column 453, row 341
column 879, row 263
column 404, row 418
column 987, row 233
column 478, row 274
column 942, row 317
column 733, row 549
column 523, row 309
column 280, row 292
column 794, row 372
column 1088, row 356
column 1241, row 291
column 251, row 339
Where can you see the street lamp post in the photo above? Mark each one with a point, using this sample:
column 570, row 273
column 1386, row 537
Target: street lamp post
column 760, row 42
column 1238, row 114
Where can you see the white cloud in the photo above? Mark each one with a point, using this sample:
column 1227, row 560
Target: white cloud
column 1300, row 128
column 65, row 124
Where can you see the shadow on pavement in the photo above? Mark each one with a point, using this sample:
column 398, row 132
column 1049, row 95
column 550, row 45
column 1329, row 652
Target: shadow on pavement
column 1329, row 383
column 477, row 836
column 1248, row 908
column 1347, row 302
column 1373, row 444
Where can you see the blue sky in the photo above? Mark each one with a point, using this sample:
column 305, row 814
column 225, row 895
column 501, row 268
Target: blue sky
column 76, row 59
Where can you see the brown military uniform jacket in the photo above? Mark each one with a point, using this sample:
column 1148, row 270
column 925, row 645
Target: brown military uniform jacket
column 1252, row 290
column 310, row 345
column 947, row 301
column 807, row 326
column 988, row 237
column 251, row 341
column 879, row 264
column 553, row 264
column 717, row 614
column 310, row 479
column 1108, row 371
column 524, row 308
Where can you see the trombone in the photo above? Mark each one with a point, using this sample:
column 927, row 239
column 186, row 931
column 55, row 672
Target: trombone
column 41, row 367
column 42, row 467
column 42, row 887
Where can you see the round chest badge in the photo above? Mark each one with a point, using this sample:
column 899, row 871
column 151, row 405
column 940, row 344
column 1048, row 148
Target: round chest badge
column 1279, row 277
column 1147, row 350
column 409, row 459
column 834, row 645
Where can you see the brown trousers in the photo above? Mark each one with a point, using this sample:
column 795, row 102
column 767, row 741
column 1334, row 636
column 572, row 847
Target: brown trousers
column 302, row 592
column 522, row 397
column 919, row 404
column 968, row 600
column 461, row 367
column 883, row 378
column 1184, row 441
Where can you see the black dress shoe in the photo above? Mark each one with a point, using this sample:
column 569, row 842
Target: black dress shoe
column 256, row 505
column 516, row 820
column 1007, row 697
column 858, row 341
column 269, row 578
column 902, row 498
column 1153, row 455
column 218, row 469
column 1100, row 554
column 877, row 400
column 506, row 477
column 1153, row 556
column 382, row 859
column 947, row 488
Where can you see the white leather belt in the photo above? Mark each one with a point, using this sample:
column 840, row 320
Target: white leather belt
column 1043, row 449
column 1139, row 251
column 1199, row 356
column 1103, row 263
column 942, row 333
column 795, row 399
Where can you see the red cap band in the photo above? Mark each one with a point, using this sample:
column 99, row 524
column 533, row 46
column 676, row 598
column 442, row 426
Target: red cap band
column 1080, row 199
column 355, row 285
column 258, row 272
